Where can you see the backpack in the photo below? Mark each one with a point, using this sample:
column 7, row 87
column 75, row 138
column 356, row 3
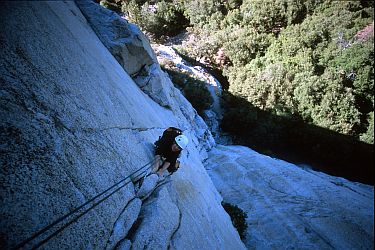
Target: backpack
column 168, row 134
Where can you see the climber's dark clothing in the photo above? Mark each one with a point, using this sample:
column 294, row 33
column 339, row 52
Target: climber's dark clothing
column 163, row 147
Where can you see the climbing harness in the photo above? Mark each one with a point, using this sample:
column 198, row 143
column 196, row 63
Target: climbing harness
column 36, row 234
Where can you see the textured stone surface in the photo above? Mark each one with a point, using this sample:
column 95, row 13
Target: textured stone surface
column 73, row 124
column 124, row 223
column 148, row 184
column 125, row 41
column 65, row 133
column 160, row 218
column 124, row 245
column 160, row 88
column 134, row 53
column 190, row 188
column 293, row 208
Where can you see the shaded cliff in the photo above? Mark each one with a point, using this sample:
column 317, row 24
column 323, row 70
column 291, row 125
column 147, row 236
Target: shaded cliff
column 74, row 123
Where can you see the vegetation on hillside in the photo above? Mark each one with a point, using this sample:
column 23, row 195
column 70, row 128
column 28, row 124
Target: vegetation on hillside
column 297, row 70
column 306, row 59
column 299, row 59
column 192, row 88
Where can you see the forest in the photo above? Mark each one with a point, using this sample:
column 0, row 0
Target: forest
column 298, row 76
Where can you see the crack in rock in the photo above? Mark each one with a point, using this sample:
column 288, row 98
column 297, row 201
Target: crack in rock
column 93, row 130
column 124, row 223
column 170, row 246
column 159, row 219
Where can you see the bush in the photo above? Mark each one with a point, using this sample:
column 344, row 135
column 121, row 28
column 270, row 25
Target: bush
column 111, row 5
column 199, row 12
column 368, row 137
column 238, row 217
column 312, row 59
column 314, row 68
column 162, row 19
column 198, row 95
column 178, row 79
column 193, row 89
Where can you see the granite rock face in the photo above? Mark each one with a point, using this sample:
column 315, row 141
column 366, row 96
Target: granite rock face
column 134, row 53
column 124, row 40
column 290, row 207
column 73, row 123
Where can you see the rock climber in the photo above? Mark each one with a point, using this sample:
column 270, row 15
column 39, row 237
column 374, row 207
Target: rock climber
column 167, row 149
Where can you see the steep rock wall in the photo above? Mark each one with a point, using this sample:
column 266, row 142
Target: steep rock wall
column 73, row 124
column 132, row 50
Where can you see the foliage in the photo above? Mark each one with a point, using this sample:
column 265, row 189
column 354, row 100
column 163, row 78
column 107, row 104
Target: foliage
column 198, row 95
column 289, row 64
column 240, row 49
column 238, row 217
column 272, row 16
column 313, row 67
column 113, row 5
column 193, row 89
column 159, row 19
column 199, row 47
column 200, row 12
column 310, row 59
column 369, row 135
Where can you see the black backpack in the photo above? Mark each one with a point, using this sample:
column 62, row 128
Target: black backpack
column 168, row 135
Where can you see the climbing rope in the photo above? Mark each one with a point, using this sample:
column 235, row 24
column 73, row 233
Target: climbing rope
column 35, row 235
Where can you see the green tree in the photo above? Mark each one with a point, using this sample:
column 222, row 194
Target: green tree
column 298, row 59
column 313, row 69
column 160, row 19
column 369, row 135
column 198, row 95
column 192, row 88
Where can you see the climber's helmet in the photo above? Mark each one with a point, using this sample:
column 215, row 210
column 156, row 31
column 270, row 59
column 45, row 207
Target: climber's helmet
column 181, row 141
